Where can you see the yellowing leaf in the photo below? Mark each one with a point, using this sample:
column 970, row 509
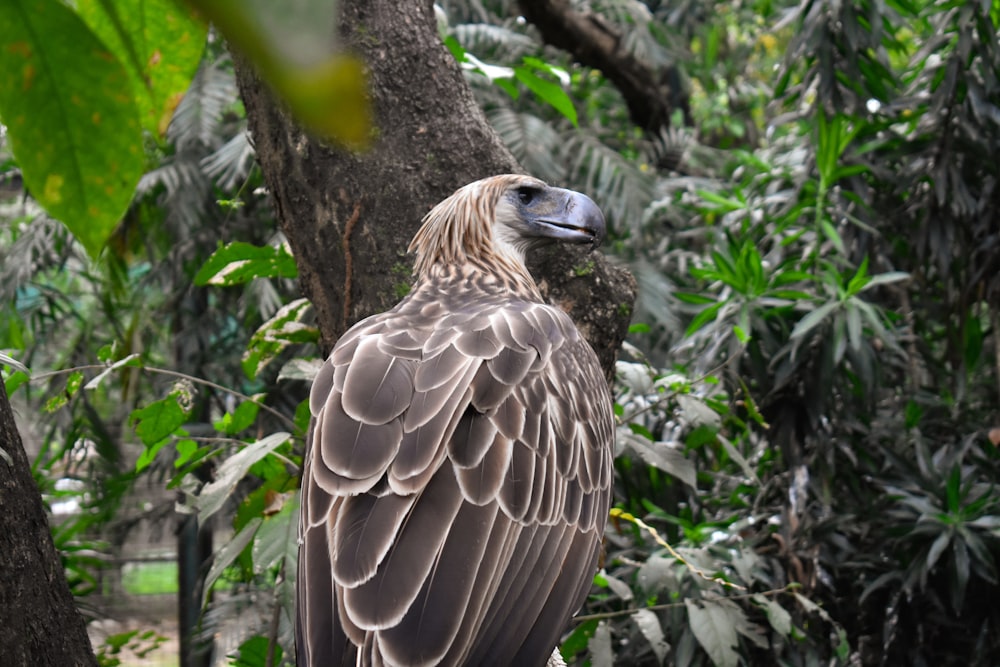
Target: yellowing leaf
column 71, row 117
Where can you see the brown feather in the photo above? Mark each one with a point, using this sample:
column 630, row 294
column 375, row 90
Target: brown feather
column 458, row 473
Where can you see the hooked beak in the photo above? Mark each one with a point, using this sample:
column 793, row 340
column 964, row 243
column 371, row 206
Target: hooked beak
column 568, row 216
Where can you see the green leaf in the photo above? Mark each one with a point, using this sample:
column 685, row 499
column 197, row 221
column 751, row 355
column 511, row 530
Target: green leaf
column 237, row 263
column 813, row 319
column 185, row 449
column 777, row 616
column 283, row 329
column 549, row 92
column 241, row 418
column 8, row 360
column 973, row 341
column 649, row 625
column 704, row 317
column 276, row 539
column 159, row 419
column 886, row 278
column 71, row 117
column 599, row 646
column 714, row 626
column 578, row 640
column 160, row 45
column 15, row 380
column 131, row 360
column 231, row 471
column 830, row 232
column 225, row 556
column 693, row 298
column 254, row 653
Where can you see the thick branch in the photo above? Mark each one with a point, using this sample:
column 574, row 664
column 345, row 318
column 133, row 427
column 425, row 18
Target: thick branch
column 651, row 96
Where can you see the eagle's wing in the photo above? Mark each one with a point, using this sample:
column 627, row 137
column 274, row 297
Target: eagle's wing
column 458, row 482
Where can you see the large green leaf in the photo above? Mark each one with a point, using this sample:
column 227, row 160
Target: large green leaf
column 71, row 117
column 293, row 51
column 714, row 626
column 160, row 45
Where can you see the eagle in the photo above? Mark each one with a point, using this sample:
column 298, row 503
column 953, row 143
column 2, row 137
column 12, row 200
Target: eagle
column 458, row 473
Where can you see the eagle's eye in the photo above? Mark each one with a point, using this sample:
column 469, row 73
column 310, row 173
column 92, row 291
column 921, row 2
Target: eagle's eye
column 526, row 194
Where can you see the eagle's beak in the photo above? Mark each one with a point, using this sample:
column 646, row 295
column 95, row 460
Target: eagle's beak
column 570, row 217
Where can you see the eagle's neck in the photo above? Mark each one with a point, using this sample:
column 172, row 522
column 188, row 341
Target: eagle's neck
column 490, row 273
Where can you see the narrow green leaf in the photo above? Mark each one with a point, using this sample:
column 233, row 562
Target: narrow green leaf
column 71, row 117
column 813, row 319
column 599, row 646
column 886, row 278
column 726, row 204
column 854, row 332
column 549, row 92
column 702, row 318
column 225, row 556
column 937, row 548
column 830, row 232
column 276, row 539
column 696, row 299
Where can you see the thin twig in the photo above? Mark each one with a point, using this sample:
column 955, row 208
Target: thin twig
column 674, row 605
column 177, row 374
column 625, row 516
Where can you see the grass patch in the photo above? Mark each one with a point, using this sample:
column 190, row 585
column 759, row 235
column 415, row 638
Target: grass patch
column 159, row 578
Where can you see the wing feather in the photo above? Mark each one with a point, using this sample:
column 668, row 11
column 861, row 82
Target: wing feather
column 470, row 473
column 364, row 530
column 378, row 386
column 385, row 599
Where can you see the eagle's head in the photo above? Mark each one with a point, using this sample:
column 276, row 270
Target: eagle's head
column 500, row 218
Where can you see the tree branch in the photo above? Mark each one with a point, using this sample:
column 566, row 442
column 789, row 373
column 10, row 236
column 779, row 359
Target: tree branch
column 651, row 96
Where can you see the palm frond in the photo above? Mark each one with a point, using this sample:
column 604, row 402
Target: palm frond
column 494, row 41
column 533, row 142
column 230, row 163
column 197, row 119
column 620, row 184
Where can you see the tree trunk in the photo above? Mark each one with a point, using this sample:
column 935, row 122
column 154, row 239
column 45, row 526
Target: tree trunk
column 349, row 217
column 39, row 621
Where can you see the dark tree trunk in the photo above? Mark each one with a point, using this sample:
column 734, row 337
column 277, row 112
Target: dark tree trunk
column 39, row 621
column 349, row 218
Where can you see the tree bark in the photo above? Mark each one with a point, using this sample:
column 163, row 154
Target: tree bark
column 39, row 621
column 651, row 95
column 349, row 217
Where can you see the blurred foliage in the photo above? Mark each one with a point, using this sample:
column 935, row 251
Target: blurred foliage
column 805, row 470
